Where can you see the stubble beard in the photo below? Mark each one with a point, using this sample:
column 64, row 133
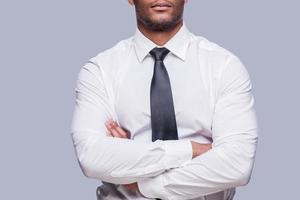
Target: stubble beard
column 159, row 25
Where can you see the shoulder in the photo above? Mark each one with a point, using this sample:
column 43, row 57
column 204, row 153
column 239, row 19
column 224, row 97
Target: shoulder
column 216, row 57
column 112, row 54
column 211, row 49
column 108, row 62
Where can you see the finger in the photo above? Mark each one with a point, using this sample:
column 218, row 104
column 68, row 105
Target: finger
column 116, row 133
column 128, row 186
column 114, row 129
column 108, row 124
column 131, row 186
column 108, row 129
column 120, row 130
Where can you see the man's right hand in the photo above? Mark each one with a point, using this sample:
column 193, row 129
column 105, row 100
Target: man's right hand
column 115, row 130
column 199, row 148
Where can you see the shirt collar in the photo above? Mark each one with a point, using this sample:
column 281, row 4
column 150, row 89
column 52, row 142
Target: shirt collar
column 177, row 45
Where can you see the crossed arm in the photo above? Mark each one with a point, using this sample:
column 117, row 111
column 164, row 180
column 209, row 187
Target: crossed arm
column 114, row 130
column 165, row 169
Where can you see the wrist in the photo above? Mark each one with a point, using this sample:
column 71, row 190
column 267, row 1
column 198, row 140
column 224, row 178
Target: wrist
column 195, row 149
column 199, row 148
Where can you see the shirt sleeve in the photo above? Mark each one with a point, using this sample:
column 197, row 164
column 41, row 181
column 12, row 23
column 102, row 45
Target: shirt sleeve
column 230, row 161
column 111, row 159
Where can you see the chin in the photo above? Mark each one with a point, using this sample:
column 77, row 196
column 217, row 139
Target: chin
column 162, row 19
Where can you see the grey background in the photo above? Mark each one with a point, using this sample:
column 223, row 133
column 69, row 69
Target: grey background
column 43, row 44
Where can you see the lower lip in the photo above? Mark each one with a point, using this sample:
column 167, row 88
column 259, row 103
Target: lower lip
column 163, row 8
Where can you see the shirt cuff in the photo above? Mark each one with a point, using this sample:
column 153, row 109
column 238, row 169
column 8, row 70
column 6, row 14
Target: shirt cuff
column 178, row 153
column 152, row 187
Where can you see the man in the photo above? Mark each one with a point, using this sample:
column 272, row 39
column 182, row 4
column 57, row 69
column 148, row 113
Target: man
column 165, row 114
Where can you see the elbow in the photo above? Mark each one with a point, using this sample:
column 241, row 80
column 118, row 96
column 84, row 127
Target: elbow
column 89, row 162
column 243, row 177
column 90, row 165
column 245, row 157
column 102, row 172
column 242, row 180
column 93, row 168
column 88, row 169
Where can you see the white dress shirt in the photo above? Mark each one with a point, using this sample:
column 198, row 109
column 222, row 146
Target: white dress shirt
column 213, row 104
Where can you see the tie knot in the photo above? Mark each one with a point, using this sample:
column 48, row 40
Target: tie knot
column 159, row 53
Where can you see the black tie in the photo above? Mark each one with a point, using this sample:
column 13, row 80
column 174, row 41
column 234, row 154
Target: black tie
column 163, row 120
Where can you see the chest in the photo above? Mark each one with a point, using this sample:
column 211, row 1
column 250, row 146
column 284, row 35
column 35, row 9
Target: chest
column 191, row 91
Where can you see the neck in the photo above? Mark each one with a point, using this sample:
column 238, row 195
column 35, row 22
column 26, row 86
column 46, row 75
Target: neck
column 159, row 37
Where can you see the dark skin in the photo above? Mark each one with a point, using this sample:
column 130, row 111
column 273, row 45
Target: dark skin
column 158, row 20
column 158, row 24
